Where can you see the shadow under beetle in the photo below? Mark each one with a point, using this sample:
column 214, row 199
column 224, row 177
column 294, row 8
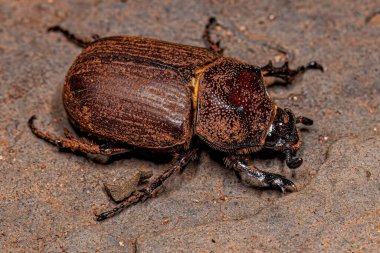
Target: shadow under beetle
column 139, row 93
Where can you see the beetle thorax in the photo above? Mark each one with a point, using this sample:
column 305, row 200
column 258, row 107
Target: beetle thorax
column 234, row 109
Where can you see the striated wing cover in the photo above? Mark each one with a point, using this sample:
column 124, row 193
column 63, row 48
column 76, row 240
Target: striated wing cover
column 134, row 90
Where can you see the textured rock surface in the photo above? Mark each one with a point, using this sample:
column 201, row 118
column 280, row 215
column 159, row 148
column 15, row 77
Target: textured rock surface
column 338, row 210
column 47, row 198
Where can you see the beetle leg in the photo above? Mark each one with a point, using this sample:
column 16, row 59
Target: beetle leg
column 262, row 178
column 287, row 74
column 145, row 193
column 68, row 134
column 81, row 42
column 210, row 44
column 73, row 144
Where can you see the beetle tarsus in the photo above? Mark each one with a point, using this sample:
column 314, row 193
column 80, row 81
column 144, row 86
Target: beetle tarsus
column 314, row 65
column 145, row 193
column 80, row 42
column 131, row 200
column 210, row 44
column 292, row 162
column 262, row 178
column 287, row 74
column 39, row 133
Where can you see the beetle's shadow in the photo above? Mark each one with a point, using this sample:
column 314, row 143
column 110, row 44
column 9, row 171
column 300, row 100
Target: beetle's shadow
column 142, row 154
column 138, row 153
column 57, row 109
column 262, row 155
column 265, row 154
column 155, row 157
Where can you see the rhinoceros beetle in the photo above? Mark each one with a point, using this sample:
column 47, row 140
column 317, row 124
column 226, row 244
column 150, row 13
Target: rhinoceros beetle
column 139, row 93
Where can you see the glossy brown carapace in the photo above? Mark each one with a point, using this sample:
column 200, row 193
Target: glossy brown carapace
column 125, row 93
column 139, row 91
column 146, row 96
column 234, row 109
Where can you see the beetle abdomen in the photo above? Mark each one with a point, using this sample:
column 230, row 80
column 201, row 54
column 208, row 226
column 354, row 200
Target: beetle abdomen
column 114, row 92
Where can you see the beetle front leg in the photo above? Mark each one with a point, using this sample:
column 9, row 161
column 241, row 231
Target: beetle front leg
column 262, row 178
column 75, row 145
column 145, row 193
column 210, row 44
column 80, row 42
column 287, row 74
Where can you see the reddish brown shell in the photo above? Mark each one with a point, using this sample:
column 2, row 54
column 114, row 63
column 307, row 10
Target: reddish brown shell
column 135, row 90
column 234, row 108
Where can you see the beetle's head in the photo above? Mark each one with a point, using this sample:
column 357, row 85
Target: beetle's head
column 284, row 136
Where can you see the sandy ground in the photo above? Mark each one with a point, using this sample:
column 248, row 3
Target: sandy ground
column 48, row 198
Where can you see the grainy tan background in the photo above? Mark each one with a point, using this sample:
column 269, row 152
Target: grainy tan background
column 47, row 197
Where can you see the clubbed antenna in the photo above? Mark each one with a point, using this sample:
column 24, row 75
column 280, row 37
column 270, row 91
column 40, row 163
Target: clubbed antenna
column 304, row 120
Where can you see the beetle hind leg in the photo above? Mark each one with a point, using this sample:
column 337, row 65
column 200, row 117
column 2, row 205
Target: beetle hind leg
column 81, row 42
column 261, row 178
column 287, row 74
column 75, row 145
column 210, row 44
column 179, row 164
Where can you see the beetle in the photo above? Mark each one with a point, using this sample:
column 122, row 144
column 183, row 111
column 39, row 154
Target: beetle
column 128, row 93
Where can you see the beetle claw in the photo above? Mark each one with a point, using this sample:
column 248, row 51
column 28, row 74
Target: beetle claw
column 292, row 162
column 281, row 182
column 314, row 65
column 260, row 178
column 290, row 186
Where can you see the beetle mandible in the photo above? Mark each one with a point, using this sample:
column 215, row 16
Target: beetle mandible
column 138, row 93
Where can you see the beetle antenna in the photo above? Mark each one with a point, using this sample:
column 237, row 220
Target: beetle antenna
column 304, row 120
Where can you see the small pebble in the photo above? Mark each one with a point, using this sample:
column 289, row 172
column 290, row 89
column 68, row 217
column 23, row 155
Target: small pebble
column 122, row 188
column 165, row 221
column 271, row 17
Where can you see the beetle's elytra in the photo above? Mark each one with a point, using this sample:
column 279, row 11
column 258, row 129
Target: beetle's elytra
column 135, row 93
